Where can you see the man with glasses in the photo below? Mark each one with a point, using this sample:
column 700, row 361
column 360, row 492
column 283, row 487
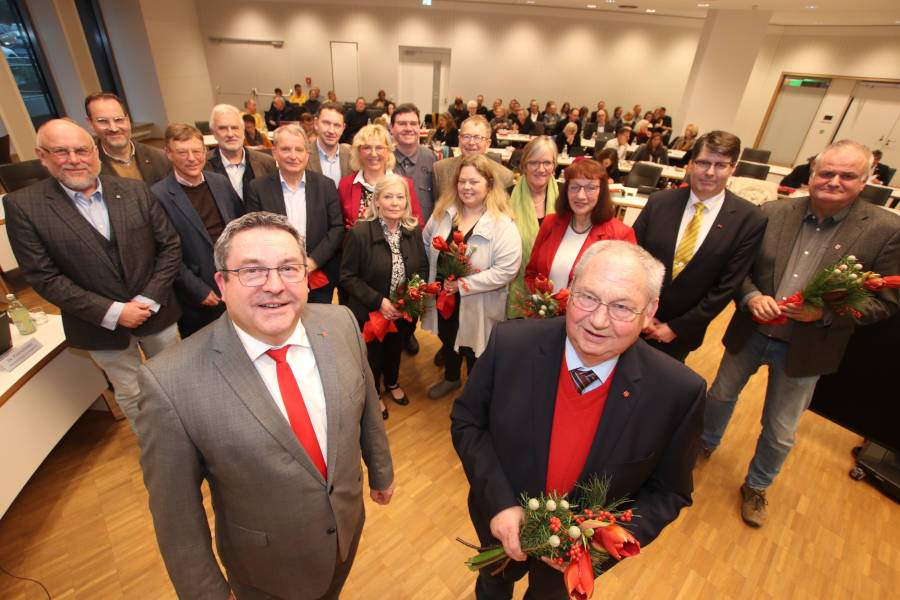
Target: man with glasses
column 804, row 235
column 311, row 203
column 101, row 249
column 327, row 155
column 474, row 138
column 707, row 237
column 551, row 400
column 119, row 154
column 274, row 406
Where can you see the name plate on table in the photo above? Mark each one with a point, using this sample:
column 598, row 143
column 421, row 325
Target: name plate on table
column 16, row 355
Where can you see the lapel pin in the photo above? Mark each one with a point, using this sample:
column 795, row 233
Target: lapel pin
column 719, row 225
column 837, row 246
column 626, row 393
column 118, row 196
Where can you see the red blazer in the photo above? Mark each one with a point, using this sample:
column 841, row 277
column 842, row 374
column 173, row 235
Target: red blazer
column 551, row 234
column 351, row 195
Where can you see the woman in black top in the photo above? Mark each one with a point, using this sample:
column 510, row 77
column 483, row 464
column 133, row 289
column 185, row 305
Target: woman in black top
column 446, row 131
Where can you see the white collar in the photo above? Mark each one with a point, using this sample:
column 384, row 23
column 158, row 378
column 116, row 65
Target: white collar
column 256, row 348
column 602, row 370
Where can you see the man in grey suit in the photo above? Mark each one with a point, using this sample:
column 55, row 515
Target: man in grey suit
column 310, row 203
column 327, row 155
column 274, row 405
column 101, row 249
column 240, row 165
column 474, row 138
column 200, row 204
column 119, row 154
column 803, row 236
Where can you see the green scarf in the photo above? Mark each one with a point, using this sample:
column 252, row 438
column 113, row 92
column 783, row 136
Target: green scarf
column 526, row 221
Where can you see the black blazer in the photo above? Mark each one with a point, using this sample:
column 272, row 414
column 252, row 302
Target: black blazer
column 260, row 164
column 708, row 282
column 324, row 219
column 366, row 265
column 646, row 441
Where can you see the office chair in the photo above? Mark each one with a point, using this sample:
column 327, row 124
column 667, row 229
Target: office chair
column 756, row 155
column 746, row 169
column 588, row 131
column 15, row 176
column 203, row 126
column 644, row 177
column 876, row 194
column 890, row 175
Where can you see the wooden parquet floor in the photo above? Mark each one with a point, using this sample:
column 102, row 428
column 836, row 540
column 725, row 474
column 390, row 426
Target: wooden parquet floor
column 82, row 527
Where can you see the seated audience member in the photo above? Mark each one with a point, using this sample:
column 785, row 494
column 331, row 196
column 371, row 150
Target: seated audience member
column 534, row 112
column 601, row 105
column 620, row 142
column 497, row 102
column 603, row 123
column 332, row 97
column 308, row 125
column 584, row 215
column 637, row 111
column 250, row 109
column 310, row 202
column 230, row 158
column 253, row 137
column 616, row 117
column 281, row 112
column 389, row 109
column 564, row 111
column 477, row 207
column 382, row 250
column 523, row 124
column 355, row 120
column 297, row 96
column 313, row 103
column 798, row 179
column 880, row 173
column 609, row 159
column 471, row 108
column 381, row 101
column 569, row 142
column 583, row 115
column 474, row 138
column 192, row 196
column 482, row 109
column 685, row 142
column 458, row 110
column 532, row 199
column 327, row 155
column 641, row 132
column 653, row 150
column 663, row 123
column 550, row 117
column 627, row 121
column 574, row 116
column 446, row 131
column 372, row 157
column 500, row 120
column 278, row 94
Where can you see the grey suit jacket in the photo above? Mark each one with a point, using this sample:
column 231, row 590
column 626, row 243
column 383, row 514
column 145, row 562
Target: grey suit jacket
column 315, row 164
column 444, row 170
column 151, row 162
column 205, row 413
column 869, row 232
column 62, row 258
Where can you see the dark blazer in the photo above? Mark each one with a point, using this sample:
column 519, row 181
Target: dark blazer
column 646, row 441
column 366, row 265
column 151, row 162
column 315, row 163
column 688, row 303
column 61, row 257
column 869, row 232
column 883, row 173
column 196, row 273
column 206, row 414
column 261, row 164
column 324, row 221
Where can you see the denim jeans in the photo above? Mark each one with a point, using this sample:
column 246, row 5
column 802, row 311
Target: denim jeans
column 786, row 399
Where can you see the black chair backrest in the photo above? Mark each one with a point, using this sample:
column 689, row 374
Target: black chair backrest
column 4, row 150
column 429, row 120
column 16, row 176
column 745, row 169
column 644, row 175
column 203, row 126
column 876, row 194
column 588, row 131
column 538, row 128
column 890, row 175
column 756, row 155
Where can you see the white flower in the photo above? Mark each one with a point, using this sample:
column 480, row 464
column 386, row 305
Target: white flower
column 853, row 275
column 553, row 540
column 551, row 505
column 533, row 504
column 851, row 258
column 564, row 505
column 575, row 531
column 837, row 271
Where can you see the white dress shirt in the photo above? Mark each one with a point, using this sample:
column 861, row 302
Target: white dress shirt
column 303, row 363
column 295, row 203
column 713, row 206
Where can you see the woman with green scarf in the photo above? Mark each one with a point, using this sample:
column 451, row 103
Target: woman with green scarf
column 533, row 197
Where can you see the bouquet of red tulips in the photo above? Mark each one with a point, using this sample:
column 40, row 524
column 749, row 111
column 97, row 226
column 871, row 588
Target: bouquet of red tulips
column 456, row 263
column 582, row 541
column 409, row 299
column 542, row 303
column 844, row 287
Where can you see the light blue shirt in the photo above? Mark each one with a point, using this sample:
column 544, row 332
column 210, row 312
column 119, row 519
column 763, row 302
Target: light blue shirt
column 331, row 168
column 295, row 203
column 603, row 370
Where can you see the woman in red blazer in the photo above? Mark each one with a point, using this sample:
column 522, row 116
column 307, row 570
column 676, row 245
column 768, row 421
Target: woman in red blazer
column 584, row 215
column 372, row 157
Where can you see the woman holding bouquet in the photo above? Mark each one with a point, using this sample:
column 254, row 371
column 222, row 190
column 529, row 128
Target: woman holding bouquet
column 584, row 215
column 383, row 250
column 474, row 212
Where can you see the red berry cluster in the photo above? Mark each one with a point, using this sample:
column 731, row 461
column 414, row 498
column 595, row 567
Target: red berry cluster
column 575, row 551
column 555, row 524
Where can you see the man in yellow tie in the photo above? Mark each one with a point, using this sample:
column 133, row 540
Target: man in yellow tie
column 707, row 237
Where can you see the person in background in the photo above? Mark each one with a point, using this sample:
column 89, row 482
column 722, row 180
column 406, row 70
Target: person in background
column 609, row 160
column 297, row 95
column 356, row 119
column 798, row 178
column 500, row 120
column 881, row 173
column 620, row 142
column 616, row 117
column 653, row 150
column 474, row 138
column 253, row 137
column 663, row 123
column 327, row 155
column 458, row 109
column 446, row 131
column 568, row 142
column 413, row 160
column 482, row 109
column 281, row 112
column 230, row 158
column 551, row 117
column 332, row 97
column 381, row 100
column 308, row 125
column 313, row 103
column 250, row 108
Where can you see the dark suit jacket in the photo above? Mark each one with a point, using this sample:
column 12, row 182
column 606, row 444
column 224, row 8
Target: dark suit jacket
column 207, row 414
column 62, row 259
column 708, row 282
column 869, row 232
column 261, row 164
column 882, row 172
column 151, row 162
column 646, row 441
column 195, row 275
column 324, row 221
column 315, row 163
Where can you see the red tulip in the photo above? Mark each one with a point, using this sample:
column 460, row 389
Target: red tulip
column 440, row 244
column 616, row 541
column 433, row 288
column 562, row 296
column 413, row 293
column 542, row 285
column 579, row 576
column 892, row 281
column 458, row 236
column 876, row 283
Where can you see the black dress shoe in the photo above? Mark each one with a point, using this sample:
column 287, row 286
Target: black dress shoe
column 412, row 345
column 439, row 358
column 384, row 414
column 402, row 400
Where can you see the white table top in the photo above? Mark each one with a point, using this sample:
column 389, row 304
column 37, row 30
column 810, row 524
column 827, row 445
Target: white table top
column 52, row 339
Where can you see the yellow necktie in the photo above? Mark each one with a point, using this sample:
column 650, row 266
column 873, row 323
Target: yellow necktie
column 685, row 250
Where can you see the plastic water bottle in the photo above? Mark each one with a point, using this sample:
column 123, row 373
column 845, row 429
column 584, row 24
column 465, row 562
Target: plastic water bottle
column 18, row 314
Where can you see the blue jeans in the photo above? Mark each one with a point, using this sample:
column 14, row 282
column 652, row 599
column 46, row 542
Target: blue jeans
column 786, row 399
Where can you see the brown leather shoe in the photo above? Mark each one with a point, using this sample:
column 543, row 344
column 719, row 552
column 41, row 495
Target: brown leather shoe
column 753, row 507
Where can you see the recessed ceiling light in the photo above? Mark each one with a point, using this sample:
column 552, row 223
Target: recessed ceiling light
column 650, row 10
column 810, row 6
column 610, row 1
column 530, row 1
column 703, row 4
column 592, row 6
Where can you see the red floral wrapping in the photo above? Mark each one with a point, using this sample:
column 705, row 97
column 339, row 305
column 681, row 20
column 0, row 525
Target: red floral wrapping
column 377, row 327
column 781, row 319
column 317, row 279
column 445, row 303
column 579, row 576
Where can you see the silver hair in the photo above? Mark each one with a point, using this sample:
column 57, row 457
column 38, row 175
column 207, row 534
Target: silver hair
column 847, row 144
column 293, row 130
column 653, row 268
column 222, row 108
column 254, row 220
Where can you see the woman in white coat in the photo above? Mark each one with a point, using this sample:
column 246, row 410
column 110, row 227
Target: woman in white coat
column 478, row 207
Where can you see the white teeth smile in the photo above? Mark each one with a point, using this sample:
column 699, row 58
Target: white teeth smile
column 272, row 305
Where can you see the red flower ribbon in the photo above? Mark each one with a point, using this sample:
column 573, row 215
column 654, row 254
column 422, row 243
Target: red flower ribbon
column 377, row 327
column 445, row 303
column 317, row 279
column 781, row 319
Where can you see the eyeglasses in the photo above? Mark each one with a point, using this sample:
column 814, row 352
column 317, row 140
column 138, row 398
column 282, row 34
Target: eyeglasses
column 257, row 276
column 704, row 165
column 535, row 164
column 588, row 189
column 468, row 137
column 61, row 154
column 104, row 122
column 615, row 310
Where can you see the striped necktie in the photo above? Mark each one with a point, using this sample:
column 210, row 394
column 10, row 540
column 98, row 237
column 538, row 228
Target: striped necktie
column 685, row 250
column 582, row 378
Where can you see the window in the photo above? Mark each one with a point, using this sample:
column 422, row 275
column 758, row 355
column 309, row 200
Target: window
column 98, row 43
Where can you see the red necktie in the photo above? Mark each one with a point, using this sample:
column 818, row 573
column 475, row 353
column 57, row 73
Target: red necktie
column 296, row 408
